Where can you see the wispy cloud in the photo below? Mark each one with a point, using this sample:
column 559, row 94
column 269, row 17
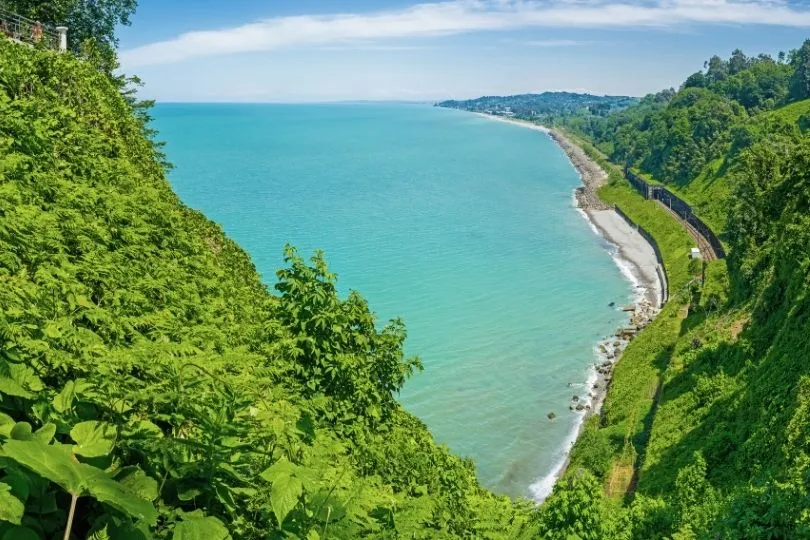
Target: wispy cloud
column 371, row 47
column 554, row 43
column 461, row 16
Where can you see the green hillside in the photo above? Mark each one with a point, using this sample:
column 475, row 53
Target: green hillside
column 709, row 435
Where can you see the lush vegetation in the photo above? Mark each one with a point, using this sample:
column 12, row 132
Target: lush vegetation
column 545, row 107
column 152, row 387
column 705, row 432
column 94, row 21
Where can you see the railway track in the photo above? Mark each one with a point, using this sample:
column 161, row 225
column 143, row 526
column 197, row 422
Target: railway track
column 706, row 250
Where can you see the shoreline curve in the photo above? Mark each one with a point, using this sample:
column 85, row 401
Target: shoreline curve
column 637, row 262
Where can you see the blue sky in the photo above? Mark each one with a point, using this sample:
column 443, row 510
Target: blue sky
column 318, row 50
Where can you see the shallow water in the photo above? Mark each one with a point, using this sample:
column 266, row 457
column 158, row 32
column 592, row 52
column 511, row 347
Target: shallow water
column 462, row 226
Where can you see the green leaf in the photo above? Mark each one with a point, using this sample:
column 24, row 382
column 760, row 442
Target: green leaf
column 64, row 399
column 57, row 464
column 136, row 481
column 45, row 433
column 11, row 508
column 51, row 462
column 104, row 489
column 188, row 494
column 94, row 439
column 22, row 432
column 51, row 330
column 6, row 424
column 10, row 387
column 20, row 482
column 286, row 489
column 209, row 528
column 20, row 533
column 25, row 376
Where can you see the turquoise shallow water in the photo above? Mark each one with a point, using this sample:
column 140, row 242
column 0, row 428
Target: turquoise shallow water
column 462, row 226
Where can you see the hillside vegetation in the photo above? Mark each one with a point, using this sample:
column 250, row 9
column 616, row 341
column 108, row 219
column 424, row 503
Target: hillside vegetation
column 719, row 444
column 545, row 107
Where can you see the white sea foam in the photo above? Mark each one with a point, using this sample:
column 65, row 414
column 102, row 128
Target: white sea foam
column 541, row 488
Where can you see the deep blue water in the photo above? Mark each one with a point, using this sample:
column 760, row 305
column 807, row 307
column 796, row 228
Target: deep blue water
column 462, row 226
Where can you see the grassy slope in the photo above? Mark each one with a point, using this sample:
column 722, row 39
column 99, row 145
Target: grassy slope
column 728, row 381
column 736, row 384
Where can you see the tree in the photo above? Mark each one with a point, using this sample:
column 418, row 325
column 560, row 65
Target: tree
column 695, row 80
column 800, row 81
column 738, row 62
column 94, row 20
column 716, row 69
column 576, row 509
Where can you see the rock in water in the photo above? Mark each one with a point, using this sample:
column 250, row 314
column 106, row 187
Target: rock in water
column 551, row 416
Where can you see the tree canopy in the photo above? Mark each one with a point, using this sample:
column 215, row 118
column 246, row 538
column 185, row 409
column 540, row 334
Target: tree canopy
column 87, row 20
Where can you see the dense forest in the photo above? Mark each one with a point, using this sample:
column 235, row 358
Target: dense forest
column 545, row 107
column 152, row 386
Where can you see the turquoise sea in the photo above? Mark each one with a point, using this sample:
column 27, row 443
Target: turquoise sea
column 462, row 226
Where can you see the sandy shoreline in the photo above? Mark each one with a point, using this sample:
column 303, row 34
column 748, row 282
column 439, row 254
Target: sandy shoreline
column 515, row 122
column 636, row 259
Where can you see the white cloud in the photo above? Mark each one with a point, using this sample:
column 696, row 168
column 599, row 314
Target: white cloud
column 459, row 16
column 555, row 43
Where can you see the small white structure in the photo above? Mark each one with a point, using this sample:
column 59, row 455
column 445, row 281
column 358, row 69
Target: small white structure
column 62, row 31
column 694, row 253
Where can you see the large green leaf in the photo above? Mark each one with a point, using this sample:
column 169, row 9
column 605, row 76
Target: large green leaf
column 20, row 533
column 286, row 489
column 11, row 508
column 93, row 439
column 18, row 380
column 52, row 462
column 103, row 488
column 57, row 464
column 6, row 424
column 209, row 528
column 136, row 481
column 22, row 432
column 10, row 387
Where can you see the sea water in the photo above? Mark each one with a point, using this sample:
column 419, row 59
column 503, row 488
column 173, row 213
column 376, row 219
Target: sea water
column 462, row 226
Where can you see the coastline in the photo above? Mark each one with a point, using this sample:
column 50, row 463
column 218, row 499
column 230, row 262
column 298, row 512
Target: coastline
column 515, row 122
column 636, row 260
